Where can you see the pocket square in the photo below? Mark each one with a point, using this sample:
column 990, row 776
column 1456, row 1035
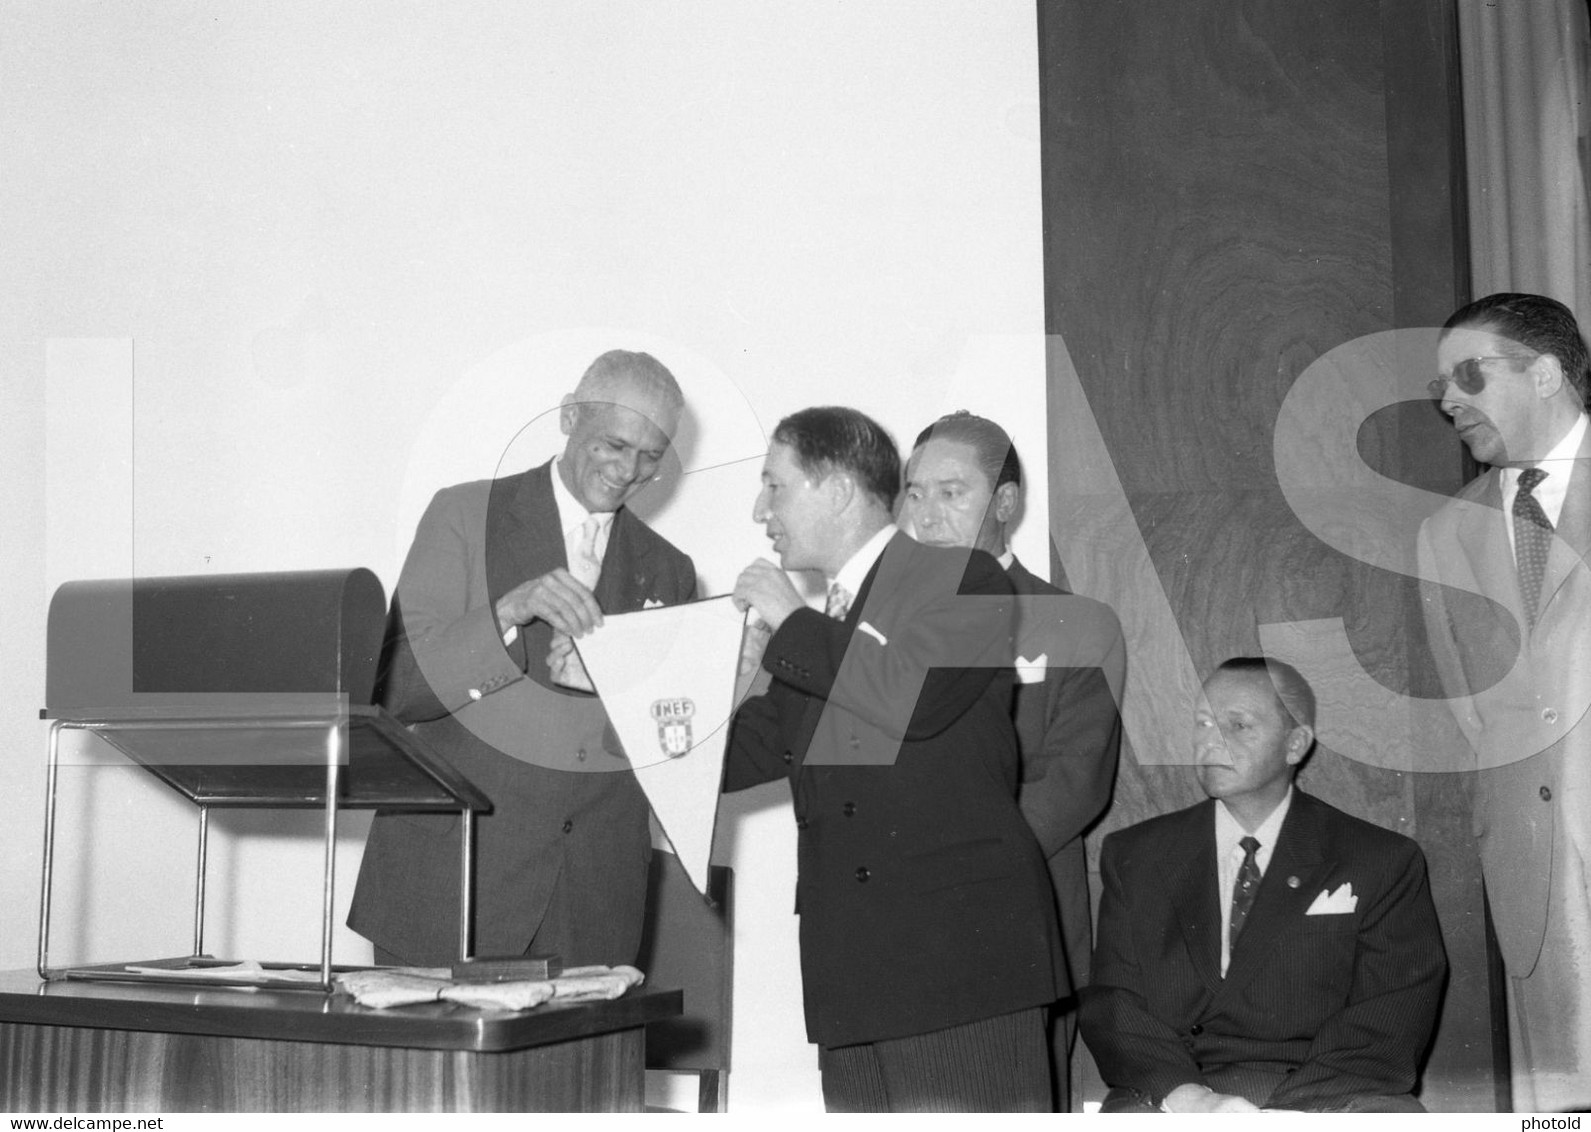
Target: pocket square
column 1334, row 903
column 1031, row 671
column 652, row 603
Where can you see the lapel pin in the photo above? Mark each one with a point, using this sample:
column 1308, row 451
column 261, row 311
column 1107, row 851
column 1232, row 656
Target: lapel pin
column 1292, row 882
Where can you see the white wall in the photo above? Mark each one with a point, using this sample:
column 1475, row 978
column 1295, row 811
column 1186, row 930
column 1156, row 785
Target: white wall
column 272, row 274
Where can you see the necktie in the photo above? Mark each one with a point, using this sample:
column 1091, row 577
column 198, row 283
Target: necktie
column 584, row 563
column 838, row 603
column 1248, row 883
column 1532, row 537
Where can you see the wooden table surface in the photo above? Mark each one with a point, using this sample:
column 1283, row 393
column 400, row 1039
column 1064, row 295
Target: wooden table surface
column 109, row 1046
column 313, row 1016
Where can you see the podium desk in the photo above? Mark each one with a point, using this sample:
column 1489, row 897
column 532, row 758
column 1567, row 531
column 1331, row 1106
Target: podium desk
column 77, row 1046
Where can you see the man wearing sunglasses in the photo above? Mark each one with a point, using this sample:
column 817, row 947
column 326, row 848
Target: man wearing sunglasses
column 1510, row 631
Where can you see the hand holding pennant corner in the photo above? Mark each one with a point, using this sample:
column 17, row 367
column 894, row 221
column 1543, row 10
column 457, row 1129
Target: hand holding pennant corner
column 667, row 679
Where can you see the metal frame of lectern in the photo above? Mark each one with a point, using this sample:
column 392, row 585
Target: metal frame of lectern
column 275, row 748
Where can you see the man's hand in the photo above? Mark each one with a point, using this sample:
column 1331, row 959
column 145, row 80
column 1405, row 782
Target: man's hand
column 566, row 666
column 767, row 589
column 1200, row 1098
column 753, row 643
column 557, row 598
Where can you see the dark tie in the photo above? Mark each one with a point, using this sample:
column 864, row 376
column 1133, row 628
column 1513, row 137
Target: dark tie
column 1248, row 883
column 1532, row 537
column 838, row 603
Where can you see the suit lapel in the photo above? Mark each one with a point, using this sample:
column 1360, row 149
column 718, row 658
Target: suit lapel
column 1022, row 579
column 1196, row 899
column 898, row 545
column 1483, row 533
column 1293, row 879
column 626, row 580
column 523, row 539
column 812, row 706
column 1569, row 549
column 1025, row 581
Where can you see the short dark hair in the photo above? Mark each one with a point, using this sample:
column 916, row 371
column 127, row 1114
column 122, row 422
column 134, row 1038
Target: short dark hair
column 990, row 443
column 1293, row 694
column 832, row 438
column 1535, row 322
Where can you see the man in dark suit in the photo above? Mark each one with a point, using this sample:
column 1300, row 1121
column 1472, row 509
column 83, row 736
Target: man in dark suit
column 1261, row 949
column 1507, row 598
column 501, row 576
column 929, row 947
column 963, row 488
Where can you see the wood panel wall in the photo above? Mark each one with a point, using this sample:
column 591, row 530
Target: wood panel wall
column 1232, row 188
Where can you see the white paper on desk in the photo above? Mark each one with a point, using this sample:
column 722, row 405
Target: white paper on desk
column 667, row 679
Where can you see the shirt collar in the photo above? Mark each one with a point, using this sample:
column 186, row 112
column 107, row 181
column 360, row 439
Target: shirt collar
column 1228, row 831
column 1566, row 449
column 1559, row 466
column 571, row 512
column 854, row 572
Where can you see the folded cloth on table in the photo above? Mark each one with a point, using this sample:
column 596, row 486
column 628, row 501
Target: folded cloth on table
column 578, row 983
column 520, row 994
column 390, row 988
column 400, row 987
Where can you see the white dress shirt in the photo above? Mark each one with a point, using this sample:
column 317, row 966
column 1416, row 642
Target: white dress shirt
column 1552, row 491
column 854, row 572
column 572, row 515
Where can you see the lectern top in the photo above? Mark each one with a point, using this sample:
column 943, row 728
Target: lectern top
column 229, row 688
column 114, row 642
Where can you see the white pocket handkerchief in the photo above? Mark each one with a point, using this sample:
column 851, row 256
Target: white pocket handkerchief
column 652, row 603
column 872, row 632
column 1334, row 903
column 1031, row 671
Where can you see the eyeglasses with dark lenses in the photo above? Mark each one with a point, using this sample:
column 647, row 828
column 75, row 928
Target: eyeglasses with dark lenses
column 1467, row 375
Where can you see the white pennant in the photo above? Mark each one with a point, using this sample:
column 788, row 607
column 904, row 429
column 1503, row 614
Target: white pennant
column 666, row 676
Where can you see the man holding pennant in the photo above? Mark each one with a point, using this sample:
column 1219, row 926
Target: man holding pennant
column 929, row 944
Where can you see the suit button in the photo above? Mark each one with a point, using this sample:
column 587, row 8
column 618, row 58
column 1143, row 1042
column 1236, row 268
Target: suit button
column 1549, row 715
column 856, row 744
column 862, row 874
column 848, row 809
column 801, row 823
column 788, row 757
column 568, row 826
column 581, row 754
column 1195, row 1029
column 1546, row 793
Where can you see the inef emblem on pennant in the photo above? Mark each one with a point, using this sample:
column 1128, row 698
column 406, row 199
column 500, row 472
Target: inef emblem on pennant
column 674, row 725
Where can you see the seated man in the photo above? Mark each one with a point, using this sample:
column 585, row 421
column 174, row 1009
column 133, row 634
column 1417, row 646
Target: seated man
column 1263, row 949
